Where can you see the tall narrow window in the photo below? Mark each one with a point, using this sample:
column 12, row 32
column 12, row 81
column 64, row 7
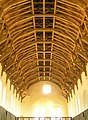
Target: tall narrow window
column 0, row 91
column 59, row 112
column 4, row 96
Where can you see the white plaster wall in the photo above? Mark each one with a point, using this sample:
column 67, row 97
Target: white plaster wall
column 79, row 100
column 11, row 105
column 37, row 99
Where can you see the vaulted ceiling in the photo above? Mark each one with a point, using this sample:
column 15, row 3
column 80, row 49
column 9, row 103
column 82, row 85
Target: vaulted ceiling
column 43, row 40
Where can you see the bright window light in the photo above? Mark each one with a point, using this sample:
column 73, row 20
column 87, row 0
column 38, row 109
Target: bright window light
column 39, row 112
column 0, row 91
column 46, row 89
column 58, row 112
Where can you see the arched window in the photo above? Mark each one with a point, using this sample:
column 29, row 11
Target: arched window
column 11, row 101
column 4, row 96
column 0, row 91
column 85, row 99
column 58, row 112
column 78, row 103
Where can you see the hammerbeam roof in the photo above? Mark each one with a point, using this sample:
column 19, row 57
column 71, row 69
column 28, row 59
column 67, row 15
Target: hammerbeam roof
column 43, row 40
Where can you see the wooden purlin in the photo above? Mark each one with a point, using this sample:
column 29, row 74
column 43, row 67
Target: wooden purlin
column 35, row 33
column 42, row 40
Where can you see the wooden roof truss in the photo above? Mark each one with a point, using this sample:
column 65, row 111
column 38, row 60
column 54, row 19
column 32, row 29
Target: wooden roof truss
column 43, row 40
